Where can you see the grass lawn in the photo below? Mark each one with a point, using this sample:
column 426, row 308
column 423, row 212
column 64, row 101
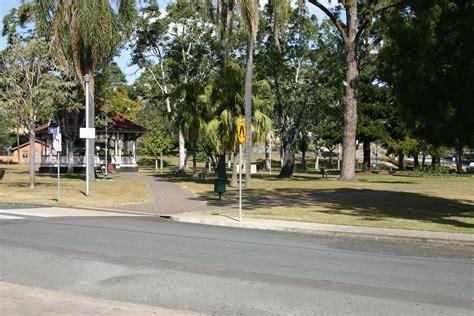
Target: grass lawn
column 378, row 200
column 116, row 191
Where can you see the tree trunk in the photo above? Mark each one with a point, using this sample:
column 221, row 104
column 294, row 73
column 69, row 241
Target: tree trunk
column 416, row 161
column 194, row 159
column 229, row 160
column 267, row 151
column 221, row 171
column 434, row 160
column 288, row 144
column 366, row 162
column 303, row 152
column 248, row 114
column 213, row 163
column 288, row 161
column 350, row 96
column 401, row 161
column 229, row 21
column 423, row 160
column 182, row 152
column 32, row 136
column 233, row 181
column 282, row 154
column 18, row 145
column 316, row 160
column 70, row 156
column 458, row 160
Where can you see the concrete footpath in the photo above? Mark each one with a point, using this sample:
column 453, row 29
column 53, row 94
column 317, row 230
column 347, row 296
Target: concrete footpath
column 324, row 229
column 26, row 300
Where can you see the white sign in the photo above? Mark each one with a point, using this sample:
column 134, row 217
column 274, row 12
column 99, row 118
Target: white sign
column 57, row 142
column 87, row 132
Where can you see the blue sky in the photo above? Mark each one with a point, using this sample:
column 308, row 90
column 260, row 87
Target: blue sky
column 123, row 59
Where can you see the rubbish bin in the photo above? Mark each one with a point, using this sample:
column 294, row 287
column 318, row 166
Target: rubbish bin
column 220, row 186
column 111, row 168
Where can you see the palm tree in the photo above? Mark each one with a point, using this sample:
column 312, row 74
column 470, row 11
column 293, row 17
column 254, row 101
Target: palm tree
column 250, row 14
column 226, row 99
column 192, row 117
column 85, row 35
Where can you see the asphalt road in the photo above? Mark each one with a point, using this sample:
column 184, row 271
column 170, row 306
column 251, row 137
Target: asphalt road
column 231, row 271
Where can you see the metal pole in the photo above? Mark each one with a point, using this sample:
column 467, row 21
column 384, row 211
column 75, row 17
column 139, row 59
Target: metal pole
column 240, row 182
column 58, row 131
column 59, row 181
column 106, row 149
column 86, row 80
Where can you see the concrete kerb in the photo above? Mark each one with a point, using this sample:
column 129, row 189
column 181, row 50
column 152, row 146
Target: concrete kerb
column 335, row 230
column 318, row 229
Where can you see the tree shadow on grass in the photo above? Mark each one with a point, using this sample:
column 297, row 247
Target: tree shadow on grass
column 373, row 205
column 210, row 178
column 26, row 184
column 385, row 181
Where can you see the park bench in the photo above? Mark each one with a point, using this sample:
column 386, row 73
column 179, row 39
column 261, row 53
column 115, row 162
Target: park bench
column 202, row 174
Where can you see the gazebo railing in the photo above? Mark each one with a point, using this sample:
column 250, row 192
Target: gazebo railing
column 80, row 161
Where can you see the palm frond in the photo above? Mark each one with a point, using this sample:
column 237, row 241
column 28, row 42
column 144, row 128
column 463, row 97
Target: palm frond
column 250, row 13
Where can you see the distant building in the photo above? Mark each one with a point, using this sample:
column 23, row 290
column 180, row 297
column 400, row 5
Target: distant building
column 11, row 156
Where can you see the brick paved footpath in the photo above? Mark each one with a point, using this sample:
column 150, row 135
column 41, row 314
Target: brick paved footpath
column 169, row 198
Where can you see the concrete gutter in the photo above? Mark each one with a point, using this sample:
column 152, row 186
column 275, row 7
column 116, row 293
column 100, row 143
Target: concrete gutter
column 326, row 229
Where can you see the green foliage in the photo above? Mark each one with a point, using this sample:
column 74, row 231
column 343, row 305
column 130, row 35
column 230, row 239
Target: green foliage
column 84, row 33
column 113, row 92
column 30, row 87
column 15, row 23
column 161, row 138
column 6, row 136
column 428, row 61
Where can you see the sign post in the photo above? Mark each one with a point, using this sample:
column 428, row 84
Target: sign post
column 241, row 136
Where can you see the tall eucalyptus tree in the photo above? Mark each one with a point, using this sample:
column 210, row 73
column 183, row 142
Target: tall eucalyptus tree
column 290, row 67
column 174, row 47
column 359, row 15
column 29, row 89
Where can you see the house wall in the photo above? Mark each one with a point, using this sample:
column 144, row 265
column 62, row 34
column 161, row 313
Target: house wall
column 24, row 155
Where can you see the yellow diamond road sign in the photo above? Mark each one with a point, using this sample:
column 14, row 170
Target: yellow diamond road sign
column 241, row 132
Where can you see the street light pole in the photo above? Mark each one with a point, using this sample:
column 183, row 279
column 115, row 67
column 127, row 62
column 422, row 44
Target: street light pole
column 86, row 80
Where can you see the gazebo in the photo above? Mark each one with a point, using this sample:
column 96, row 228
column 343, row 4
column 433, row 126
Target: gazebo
column 116, row 141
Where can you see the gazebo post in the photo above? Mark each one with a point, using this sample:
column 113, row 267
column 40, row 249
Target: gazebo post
column 116, row 147
column 134, row 150
column 120, row 148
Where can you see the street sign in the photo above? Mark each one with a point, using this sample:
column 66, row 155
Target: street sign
column 241, row 132
column 86, row 132
column 52, row 130
column 57, row 142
